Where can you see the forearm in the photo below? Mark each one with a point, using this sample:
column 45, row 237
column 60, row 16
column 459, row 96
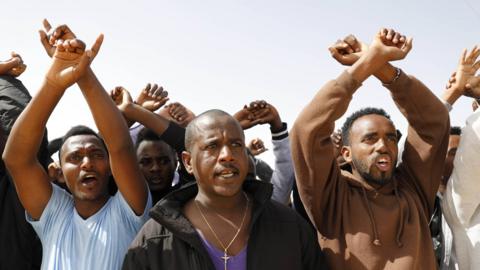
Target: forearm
column 283, row 175
column 150, row 120
column 451, row 95
column 427, row 138
column 312, row 150
column 107, row 117
column 27, row 132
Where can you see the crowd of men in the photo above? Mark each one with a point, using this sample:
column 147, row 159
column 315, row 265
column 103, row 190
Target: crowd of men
column 161, row 188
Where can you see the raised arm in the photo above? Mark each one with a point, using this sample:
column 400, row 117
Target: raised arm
column 70, row 61
column 316, row 170
column 461, row 197
column 112, row 126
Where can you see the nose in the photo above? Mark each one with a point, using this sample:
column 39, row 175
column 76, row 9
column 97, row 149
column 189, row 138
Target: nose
column 87, row 163
column 381, row 145
column 226, row 154
column 155, row 166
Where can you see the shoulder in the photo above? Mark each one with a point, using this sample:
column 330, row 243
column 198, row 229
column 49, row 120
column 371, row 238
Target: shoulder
column 279, row 213
column 151, row 232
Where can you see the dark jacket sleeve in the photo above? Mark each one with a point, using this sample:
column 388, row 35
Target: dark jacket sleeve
column 174, row 136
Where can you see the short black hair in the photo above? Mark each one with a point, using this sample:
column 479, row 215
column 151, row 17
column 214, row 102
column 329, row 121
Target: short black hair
column 79, row 130
column 456, row 130
column 146, row 134
column 192, row 127
column 354, row 116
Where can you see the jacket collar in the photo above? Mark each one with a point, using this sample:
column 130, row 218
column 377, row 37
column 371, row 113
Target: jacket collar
column 168, row 211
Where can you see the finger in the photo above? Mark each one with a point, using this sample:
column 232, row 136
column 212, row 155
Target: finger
column 85, row 61
column 390, row 34
column 476, row 66
column 46, row 25
column 68, row 48
column 59, row 46
column 470, row 55
column 475, row 54
column 463, row 56
column 44, row 40
column 335, row 54
column 96, row 46
column 146, row 89
column 396, row 38
column 351, row 40
column 164, row 93
column 156, row 91
column 383, row 33
column 407, row 46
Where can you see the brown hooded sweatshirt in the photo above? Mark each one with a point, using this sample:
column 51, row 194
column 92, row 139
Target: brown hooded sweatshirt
column 359, row 226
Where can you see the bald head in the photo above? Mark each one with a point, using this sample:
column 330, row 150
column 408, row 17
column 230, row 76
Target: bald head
column 207, row 119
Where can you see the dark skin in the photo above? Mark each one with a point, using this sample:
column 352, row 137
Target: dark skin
column 372, row 149
column 453, row 142
column 86, row 171
column 218, row 160
column 157, row 162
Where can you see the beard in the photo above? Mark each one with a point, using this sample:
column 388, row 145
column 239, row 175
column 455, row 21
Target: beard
column 364, row 171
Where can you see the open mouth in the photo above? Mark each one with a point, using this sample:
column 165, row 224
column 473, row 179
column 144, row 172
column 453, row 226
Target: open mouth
column 227, row 173
column 384, row 163
column 89, row 180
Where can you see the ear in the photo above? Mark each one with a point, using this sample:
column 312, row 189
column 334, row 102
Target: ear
column 346, row 152
column 55, row 172
column 187, row 159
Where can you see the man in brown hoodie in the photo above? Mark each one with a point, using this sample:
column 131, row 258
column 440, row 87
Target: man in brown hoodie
column 376, row 216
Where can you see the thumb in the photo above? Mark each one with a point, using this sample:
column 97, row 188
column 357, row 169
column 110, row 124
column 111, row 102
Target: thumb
column 84, row 63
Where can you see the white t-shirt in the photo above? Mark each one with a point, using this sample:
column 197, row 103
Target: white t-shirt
column 99, row 242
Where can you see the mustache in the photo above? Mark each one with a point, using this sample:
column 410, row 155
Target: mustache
column 226, row 167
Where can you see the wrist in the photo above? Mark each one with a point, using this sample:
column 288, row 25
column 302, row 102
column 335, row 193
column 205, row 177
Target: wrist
column 280, row 133
column 276, row 125
column 388, row 74
column 366, row 66
column 50, row 84
column 451, row 95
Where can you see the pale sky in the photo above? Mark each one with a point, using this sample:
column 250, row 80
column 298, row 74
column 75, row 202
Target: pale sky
column 224, row 54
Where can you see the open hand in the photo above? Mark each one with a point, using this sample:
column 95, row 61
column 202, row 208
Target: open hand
column 152, row 97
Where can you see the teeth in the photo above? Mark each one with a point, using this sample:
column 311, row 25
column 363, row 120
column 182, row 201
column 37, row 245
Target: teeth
column 227, row 174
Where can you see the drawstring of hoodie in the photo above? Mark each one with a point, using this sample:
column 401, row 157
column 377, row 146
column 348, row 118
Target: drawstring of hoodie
column 400, row 230
column 376, row 241
column 400, row 225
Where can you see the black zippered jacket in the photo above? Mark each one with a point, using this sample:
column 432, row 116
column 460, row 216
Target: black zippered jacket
column 279, row 237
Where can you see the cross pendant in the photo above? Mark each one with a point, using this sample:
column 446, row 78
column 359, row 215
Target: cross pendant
column 225, row 258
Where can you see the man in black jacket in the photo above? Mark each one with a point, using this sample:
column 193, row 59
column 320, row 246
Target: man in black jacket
column 20, row 248
column 222, row 221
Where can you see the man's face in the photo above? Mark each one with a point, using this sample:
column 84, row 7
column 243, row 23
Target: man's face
column 157, row 162
column 453, row 142
column 373, row 148
column 85, row 167
column 218, row 157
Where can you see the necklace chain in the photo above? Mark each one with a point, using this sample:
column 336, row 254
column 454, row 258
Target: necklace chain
column 225, row 257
